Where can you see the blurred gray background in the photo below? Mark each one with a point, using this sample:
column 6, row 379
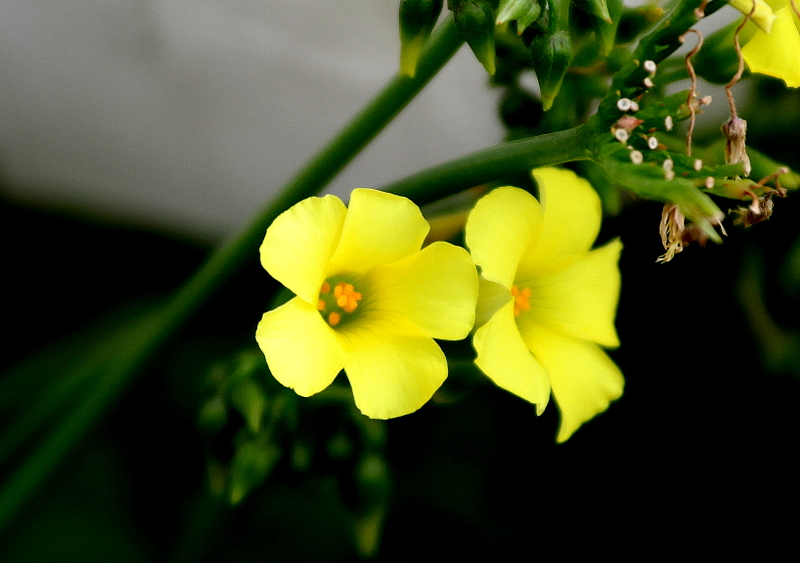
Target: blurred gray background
column 187, row 114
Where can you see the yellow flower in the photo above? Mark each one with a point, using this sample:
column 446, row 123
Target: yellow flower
column 557, row 298
column 367, row 300
column 774, row 49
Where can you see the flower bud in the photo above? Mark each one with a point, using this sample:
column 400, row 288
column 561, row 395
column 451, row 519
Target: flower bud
column 475, row 22
column 551, row 55
column 417, row 19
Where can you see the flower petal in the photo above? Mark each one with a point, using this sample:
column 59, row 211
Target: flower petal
column 581, row 299
column 300, row 243
column 303, row 352
column 777, row 53
column 395, row 368
column 491, row 297
column 763, row 16
column 380, row 228
column 436, row 288
column 503, row 224
column 571, row 221
column 583, row 377
column 504, row 358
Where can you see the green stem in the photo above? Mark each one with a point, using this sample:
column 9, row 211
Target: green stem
column 491, row 164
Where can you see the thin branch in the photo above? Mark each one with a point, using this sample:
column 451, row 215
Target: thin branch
column 740, row 71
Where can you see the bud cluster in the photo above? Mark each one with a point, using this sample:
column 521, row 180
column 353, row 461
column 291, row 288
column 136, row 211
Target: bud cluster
column 540, row 27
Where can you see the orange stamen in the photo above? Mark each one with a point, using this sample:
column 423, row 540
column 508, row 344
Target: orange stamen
column 521, row 299
column 346, row 296
column 344, row 299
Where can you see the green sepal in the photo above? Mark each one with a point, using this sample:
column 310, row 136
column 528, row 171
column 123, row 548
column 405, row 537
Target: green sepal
column 558, row 13
column 417, row 20
column 509, row 10
column 551, row 55
column 529, row 18
column 597, row 8
column 475, row 22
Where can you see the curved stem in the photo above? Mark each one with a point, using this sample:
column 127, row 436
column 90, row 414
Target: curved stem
column 492, row 164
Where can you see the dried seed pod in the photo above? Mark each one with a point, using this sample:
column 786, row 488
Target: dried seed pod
column 735, row 131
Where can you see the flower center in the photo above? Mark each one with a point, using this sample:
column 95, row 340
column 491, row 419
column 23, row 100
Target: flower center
column 522, row 299
column 337, row 299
